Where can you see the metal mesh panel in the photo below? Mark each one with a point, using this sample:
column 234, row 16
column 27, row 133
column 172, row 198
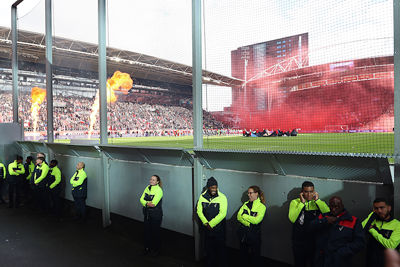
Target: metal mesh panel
column 314, row 77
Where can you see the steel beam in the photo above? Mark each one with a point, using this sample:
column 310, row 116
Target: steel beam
column 396, row 185
column 103, row 109
column 197, row 113
column 49, row 70
column 14, row 39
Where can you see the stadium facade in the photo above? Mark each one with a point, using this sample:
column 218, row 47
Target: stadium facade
column 287, row 93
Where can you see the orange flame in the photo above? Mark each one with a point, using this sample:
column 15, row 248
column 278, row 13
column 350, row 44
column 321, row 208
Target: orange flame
column 118, row 82
column 93, row 114
column 37, row 97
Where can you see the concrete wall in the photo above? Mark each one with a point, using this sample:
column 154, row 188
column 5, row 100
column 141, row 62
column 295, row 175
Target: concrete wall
column 9, row 133
column 128, row 179
column 279, row 191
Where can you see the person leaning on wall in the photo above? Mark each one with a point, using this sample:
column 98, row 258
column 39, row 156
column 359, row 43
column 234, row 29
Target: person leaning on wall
column 250, row 216
column 339, row 236
column 79, row 191
column 382, row 231
column 302, row 211
column 211, row 209
column 151, row 201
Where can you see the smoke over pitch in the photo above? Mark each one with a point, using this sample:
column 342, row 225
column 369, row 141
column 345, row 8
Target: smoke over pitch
column 361, row 99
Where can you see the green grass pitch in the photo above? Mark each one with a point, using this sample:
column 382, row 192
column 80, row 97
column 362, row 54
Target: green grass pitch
column 370, row 143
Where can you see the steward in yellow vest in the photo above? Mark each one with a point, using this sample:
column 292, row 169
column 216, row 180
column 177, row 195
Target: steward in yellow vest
column 211, row 209
column 151, row 201
column 16, row 171
column 382, row 232
column 54, row 186
column 79, row 190
column 250, row 216
column 302, row 211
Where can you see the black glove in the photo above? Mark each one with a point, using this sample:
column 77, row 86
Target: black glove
column 370, row 220
column 376, row 228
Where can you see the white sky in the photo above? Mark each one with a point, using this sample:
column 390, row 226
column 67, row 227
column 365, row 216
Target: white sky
column 162, row 28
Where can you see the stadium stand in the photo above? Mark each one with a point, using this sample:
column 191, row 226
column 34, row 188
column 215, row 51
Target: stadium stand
column 71, row 114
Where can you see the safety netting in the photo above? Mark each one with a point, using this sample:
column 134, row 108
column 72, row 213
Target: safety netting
column 306, row 76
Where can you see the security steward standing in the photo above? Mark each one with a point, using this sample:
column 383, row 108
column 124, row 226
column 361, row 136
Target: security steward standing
column 29, row 169
column 3, row 175
column 151, row 201
column 302, row 211
column 250, row 216
column 382, row 232
column 55, row 187
column 34, row 188
column 79, row 190
column 211, row 209
column 40, row 178
column 16, row 171
column 339, row 236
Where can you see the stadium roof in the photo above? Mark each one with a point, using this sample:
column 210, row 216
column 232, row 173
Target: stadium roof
column 81, row 55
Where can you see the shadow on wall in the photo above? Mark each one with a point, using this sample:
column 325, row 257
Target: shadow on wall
column 277, row 229
column 357, row 199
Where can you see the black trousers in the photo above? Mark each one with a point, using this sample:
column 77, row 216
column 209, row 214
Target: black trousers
column 215, row 249
column 80, row 207
column 250, row 253
column 303, row 255
column 14, row 189
column 1, row 190
column 43, row 198
column 152, row 235
column 35, row 196
column 27, row 191
column 55, row 201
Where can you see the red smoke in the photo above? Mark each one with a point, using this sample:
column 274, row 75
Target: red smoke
column 366, row 104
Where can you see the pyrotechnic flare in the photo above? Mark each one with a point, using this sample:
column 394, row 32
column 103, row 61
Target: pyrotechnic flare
column 37, row 97
column 118, row 82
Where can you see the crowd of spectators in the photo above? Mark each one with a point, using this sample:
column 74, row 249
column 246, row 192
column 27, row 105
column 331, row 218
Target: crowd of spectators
column 135, row 118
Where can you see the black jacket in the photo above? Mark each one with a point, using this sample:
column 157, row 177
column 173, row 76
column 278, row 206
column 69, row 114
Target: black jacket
column 80, row 191
column 337, row 243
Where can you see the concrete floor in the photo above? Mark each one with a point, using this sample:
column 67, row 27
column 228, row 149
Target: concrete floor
column 28, row 238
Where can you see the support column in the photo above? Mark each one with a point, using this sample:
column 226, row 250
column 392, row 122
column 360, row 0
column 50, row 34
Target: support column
column 103, row 109
column 396, row 185
column 49, row 71
column 14, row 39
column 197, row 113
column 106, row 185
